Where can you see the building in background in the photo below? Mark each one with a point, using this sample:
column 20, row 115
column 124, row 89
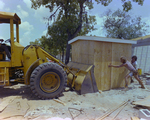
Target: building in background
column 142, row 51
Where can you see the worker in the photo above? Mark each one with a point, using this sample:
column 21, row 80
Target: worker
column 134, row 63
column 129, row 66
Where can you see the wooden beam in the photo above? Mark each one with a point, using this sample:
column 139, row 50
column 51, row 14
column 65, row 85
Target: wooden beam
column 135, row 118
column 144, row 42
column 5, row 103
column 12, row 41
column 17, row 32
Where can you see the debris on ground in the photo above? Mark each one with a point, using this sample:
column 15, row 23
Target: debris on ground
column 71, row 106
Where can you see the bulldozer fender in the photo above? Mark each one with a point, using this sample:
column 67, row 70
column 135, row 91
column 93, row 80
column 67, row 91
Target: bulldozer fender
column 30, row 70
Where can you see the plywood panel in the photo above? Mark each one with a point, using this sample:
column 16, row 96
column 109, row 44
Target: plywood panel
column 118, row 74
column 144, row 102
column 76, row 56
column 91, row 52
column 102, row 58
column 84, row 58
column 101, row 54
column 83, row 52
column 91, row 59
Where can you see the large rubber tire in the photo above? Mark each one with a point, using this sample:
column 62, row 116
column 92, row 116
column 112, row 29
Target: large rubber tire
column 48, row 81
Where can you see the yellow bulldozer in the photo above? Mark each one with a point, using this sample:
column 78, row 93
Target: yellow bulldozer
column 29, row 65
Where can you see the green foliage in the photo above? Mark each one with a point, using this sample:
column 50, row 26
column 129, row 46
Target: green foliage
column 58, row 36
column 119, row 24
column 36, row 42
column 127, row 4
column 71, row 13
column 71, row 19
column 48, row 44
column 104, row 2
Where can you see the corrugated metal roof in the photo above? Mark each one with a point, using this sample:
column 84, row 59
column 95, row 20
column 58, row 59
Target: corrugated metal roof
column 104, row 39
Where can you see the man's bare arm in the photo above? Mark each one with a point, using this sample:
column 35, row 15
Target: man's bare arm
column 116, row 66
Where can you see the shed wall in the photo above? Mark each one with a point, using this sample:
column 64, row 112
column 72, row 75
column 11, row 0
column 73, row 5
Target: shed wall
column 102, row 58
column 101, row 54
column 83, row 52
column 118, row 74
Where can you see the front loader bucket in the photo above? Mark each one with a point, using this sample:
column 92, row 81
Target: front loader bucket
column 84, row 82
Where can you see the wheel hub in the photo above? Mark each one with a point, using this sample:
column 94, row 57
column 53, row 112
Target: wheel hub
column 50, row 82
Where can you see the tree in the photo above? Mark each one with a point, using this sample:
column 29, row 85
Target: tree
column 73, row 15
column 126, row 4
column 48, row 44
column 120, row 24
column 36, row 42
column 57, row 32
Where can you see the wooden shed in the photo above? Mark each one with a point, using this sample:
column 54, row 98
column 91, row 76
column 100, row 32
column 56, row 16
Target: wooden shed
column 100, row 52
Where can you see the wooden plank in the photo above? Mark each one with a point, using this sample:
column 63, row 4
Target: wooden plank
column 97, row 69
column 83, row 52
column 118, row 74
column 102, row 58
column 5, row 102
column 18, row 107
column 112, row 110
column 91, row 52
column 145, row 102
column 76, row 56
column 135, row 118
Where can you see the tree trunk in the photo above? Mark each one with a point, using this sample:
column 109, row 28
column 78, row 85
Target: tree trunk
column 68, row 49
column 67, row 53
column 71, row 36
column 62, row 55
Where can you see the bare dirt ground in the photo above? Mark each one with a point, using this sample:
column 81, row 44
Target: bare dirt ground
column 71, row 106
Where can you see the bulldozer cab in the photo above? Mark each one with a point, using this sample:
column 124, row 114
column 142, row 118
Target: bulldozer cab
column 5, row 51
column 9, row 49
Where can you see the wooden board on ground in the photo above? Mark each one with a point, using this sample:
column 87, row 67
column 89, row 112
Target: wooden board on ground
column 18, row 107
column 6, row 101
column 135, row 118
column 145, row 102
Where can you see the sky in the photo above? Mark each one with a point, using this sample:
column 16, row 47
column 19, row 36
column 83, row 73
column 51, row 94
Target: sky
column 33, row 25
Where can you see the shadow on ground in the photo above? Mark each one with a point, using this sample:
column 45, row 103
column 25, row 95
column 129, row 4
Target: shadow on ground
column 23, row 91
column 19, row 90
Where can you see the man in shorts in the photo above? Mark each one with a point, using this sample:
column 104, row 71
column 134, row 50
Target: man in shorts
column 129, row 66
column 134, row 63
